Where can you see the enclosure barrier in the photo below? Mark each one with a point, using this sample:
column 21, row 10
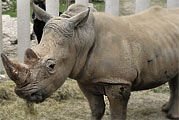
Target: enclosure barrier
column 142, row 5
column 23, row 17
column 172, row 3
column 0, row 33
column 83, row 2
column 112, row 7
column 52, row 7
column 23, row 27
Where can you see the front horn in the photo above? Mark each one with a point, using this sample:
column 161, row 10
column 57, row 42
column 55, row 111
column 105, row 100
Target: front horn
column 16, row 72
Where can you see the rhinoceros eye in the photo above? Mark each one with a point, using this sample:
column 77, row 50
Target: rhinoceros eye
column 50, row 65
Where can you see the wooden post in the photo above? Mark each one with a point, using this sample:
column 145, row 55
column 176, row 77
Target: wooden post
column 112, row 7
column 142, row 5
column 52, row 7
column 23, row 27
column 1, row 46
column 83, row 2
column 172, row 3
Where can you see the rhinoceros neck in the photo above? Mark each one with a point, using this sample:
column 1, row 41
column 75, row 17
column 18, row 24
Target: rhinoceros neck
column 84, row 40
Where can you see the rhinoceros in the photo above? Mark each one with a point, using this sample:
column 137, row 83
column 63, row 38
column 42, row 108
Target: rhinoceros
column 106, row 55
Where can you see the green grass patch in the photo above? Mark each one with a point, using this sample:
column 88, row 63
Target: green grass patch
column 162, row 89
column 9, row 12
column 12, row 13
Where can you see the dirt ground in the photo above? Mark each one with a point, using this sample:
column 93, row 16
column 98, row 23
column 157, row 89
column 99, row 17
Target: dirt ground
column 68, row 103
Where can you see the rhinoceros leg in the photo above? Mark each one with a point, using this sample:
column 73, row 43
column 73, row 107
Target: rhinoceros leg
column 173, row 105
column 96, row 102
column 118, row 96
column 167, row 106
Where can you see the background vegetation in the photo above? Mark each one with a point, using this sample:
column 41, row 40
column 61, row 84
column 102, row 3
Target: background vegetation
column 99, row 5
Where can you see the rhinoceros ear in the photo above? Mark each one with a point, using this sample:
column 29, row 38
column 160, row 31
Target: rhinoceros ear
column 79, row 19
column 30, row 56
column 40, row 13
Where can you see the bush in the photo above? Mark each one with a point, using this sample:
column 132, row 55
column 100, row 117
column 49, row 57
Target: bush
column 13, row 5
column 10, row 5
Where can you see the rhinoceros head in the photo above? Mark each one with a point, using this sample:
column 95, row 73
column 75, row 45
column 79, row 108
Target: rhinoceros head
column 60, row 54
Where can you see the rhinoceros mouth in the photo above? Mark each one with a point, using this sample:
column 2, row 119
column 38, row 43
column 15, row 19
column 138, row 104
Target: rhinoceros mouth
column 33, row 95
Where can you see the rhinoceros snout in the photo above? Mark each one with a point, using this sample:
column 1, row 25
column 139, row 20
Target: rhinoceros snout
column 36, row 97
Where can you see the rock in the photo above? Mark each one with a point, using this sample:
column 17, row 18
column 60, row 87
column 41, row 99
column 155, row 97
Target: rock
column 9, row 25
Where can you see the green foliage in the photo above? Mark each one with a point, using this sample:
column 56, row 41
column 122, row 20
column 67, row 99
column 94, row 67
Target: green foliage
column 2, row 72
column 99, row 6
column 62, row 6
column 13, row 6
column 13, row 13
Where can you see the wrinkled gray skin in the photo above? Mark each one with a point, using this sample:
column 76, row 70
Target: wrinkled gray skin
column 107, row 55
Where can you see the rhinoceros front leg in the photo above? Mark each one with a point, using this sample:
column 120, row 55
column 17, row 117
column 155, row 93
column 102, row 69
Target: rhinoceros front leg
column 118, row 96
column 96, row 102
column 172, row 107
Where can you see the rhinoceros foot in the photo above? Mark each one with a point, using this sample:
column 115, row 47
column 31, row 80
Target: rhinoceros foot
column 166, row 107
column 173, row 116
column 173, row 113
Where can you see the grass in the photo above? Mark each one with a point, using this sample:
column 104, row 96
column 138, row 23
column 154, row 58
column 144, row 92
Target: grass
column 9, row 12
column 68, row 103
column 14, row 108
column 162, row 89
column 12, row 13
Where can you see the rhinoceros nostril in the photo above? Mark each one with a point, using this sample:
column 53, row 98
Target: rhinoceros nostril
column 33, row 97
column 36, row 97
